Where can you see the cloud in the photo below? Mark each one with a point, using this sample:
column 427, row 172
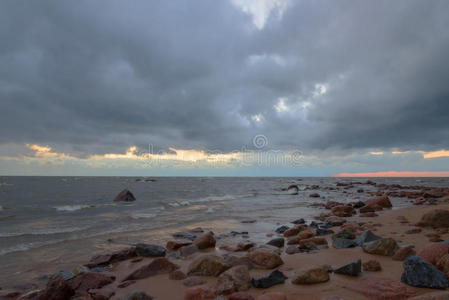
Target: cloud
column 394, row 174
column 92, row 78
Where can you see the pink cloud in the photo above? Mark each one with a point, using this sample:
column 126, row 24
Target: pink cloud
column 395, row 174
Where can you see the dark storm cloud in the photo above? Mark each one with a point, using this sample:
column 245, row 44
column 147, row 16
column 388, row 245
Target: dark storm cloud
column 99, row 76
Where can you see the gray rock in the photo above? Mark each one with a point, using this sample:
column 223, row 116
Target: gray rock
column 282, row 229
column 270, row 279
column 352, row 269
column 366, row 237
column 277, row 242
column 147, row 250
column 340, row 243
column 420, row 273
column 323, row 231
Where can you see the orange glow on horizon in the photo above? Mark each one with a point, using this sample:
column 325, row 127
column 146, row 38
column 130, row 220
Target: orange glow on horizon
column 395, row 174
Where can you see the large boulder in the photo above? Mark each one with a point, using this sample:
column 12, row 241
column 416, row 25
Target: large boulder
column 383, row 289
column 125, row 196
column 420, row 273
column 311, row 276
column 233, row 280
column 205, row 241
column 433, row 252
column 265, row 259
column 437, row 218
column 207, row 265
column 381, row 201
column 384, row 246
column 158, row 266
column 270, row 279
column 148, row 250
column 200, row 292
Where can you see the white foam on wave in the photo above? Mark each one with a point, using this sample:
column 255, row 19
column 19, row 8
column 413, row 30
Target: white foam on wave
column 143, row 216
column 72, row 207
column 42, row 232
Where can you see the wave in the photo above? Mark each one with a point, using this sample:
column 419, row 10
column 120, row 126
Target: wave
column 143, row 216
column 42, row 232
column 72, row 207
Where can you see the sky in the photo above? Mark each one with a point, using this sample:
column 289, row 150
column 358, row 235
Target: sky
column 224, row 88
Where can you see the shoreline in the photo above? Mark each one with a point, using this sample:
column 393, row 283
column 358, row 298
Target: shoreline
column 389, row 223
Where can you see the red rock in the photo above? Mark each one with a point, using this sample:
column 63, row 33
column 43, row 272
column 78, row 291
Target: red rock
column 443, row 264
column 56, row 289
column 200, row 292
column 315, row 240
column 175, row 245
column 240, row 296
column 272, row 296
column 265, row 258
column 159, row 265
column 90, row 280
column 382, row 201
column 291, row 232
column 433, row 252
column 366, row 209
column 125, row 196
column 205, row 241
column 369, row 215
column 383, row 289
column 343, row 210
column 107, row 259
column 293, row 240
column 372, row 266
column 403, row 252
column 306, row 234
column 331, row 204
column 438, row 218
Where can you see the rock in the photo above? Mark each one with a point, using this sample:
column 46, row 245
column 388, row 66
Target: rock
column 321, row 231
column 124, row 284
column 413, row 231
column 177, row 275
column 432, row 296
column 200, row 292
column 298, row 221
column 207, row 265
column 352, row 269
column 345, row 234
column 443, row 264
column 125, row 196
column 372, row 266
column 158, row 266
column 383, row 289
column 314, row 195
column 293, row 240
column 240, row 296
column 107, row 259
column 384, row 246
column 343, row 210
column 291, row 232
column 282, row 229
column 137, row 295
column 233, row 280
column 272, row 296
column 188, row 250
column 311, row 276
column 359, row 204
column 368, row 215
column 366, row 237
column 185, row 235
column 433, row 252
column 205, row 241
column 90, row 280
column 382, row 201
column 340, row 243
column 403, row 252
column 147, row 250
column 56, row 289
column 193, row 281
column 277, row 242
column 233, row 260
column 306, row 234
column 270, row 279
column 175, row 245
column 292, row 249
column 315, row 241
column 265, row 259
column 420, row 273
column 366, row 209
column 438, row 218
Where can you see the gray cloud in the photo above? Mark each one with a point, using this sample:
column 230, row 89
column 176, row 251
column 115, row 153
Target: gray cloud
column 96, row 77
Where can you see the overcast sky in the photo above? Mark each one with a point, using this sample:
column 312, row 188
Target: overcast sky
column 354, row 86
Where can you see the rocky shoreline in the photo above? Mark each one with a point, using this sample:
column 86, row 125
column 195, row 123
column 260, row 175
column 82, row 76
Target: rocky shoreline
column 357, row 250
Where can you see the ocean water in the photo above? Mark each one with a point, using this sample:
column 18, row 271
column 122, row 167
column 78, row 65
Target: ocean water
column 52, row 223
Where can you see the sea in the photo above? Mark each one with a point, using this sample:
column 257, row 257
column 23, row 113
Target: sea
column 49, row 224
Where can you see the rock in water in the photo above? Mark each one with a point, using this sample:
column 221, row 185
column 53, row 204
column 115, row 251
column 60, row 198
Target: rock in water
column 282, row 229
column 366, row 237
column 385, row 246
column 420, row 273
column 352, row 269
column 150, row 250
column 125, row 196
column 438, row 218
column 270, row 279
column 311, row 276
column 277, row 242
column 137, row 295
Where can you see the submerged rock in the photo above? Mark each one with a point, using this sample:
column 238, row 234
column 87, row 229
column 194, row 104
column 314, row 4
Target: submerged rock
column 420, row 273
column 147, row 250
column 311, row 276
column 270, row 279
column 384, row 246
column 352, row 269
column 125, row 196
